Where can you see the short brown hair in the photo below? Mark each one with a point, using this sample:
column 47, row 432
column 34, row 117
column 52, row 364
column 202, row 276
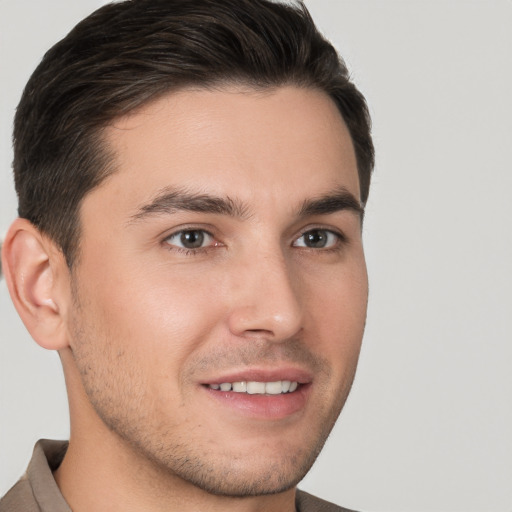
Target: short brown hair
column 128, row 53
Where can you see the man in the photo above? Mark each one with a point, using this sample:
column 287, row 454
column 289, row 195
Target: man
column 191, row 178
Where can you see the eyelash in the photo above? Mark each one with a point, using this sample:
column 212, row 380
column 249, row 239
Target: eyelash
column 340, row 241
column 186, row 250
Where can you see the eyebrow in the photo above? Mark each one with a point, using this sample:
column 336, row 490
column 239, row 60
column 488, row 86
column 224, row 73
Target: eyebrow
column 338, row 200
column 172, row 200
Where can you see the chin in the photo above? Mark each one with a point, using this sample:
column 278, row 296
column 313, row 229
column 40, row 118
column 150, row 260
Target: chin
column 247, row 473
column 243, row 480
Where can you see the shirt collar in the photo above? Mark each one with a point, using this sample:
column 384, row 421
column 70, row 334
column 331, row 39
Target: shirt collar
column 46, row 458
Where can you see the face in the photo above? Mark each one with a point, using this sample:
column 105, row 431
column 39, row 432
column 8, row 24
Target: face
column 220, row 294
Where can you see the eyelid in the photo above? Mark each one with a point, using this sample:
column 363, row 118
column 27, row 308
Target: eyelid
column 340, row 237
column 184, row 229
column 168, row 233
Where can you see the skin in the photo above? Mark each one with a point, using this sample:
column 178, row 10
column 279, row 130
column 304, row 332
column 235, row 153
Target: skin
column 145, row 324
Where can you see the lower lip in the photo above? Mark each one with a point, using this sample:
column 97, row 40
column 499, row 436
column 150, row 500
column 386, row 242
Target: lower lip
column 263, row 406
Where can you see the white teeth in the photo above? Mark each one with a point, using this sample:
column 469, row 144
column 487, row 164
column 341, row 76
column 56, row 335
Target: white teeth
column 273, row 388
column 240, row 387
column 258, row 388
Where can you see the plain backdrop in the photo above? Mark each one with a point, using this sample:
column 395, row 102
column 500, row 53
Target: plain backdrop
column 428, row 426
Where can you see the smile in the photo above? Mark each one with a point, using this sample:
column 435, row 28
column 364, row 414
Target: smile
column 257, row 388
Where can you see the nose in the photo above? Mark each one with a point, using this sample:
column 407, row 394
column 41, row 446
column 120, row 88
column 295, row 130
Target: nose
column 266, row 300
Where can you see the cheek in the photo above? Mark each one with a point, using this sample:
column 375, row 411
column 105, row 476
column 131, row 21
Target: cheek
column 337, row 305
column 157, row 317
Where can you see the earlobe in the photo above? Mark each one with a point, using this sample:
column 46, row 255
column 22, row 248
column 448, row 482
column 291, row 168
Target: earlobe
column 32, row 266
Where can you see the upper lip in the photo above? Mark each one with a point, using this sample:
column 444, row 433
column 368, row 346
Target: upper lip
column 299, row 375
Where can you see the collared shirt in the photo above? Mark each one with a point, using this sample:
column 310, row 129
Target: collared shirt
column 37, row 490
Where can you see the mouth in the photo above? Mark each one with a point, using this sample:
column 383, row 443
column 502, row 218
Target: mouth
column 270, row 395
column 253, row 387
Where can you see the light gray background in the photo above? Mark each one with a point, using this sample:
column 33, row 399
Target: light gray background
column 428, row 425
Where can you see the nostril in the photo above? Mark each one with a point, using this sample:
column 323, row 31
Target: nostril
column 267, row 307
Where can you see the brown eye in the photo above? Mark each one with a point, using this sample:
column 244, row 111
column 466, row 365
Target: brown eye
column 317, row 239
column 190, row 239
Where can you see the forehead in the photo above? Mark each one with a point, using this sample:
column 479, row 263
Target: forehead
column 279, row 143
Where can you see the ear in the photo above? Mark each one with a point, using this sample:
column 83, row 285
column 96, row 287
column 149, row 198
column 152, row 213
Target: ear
column 34, row 269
